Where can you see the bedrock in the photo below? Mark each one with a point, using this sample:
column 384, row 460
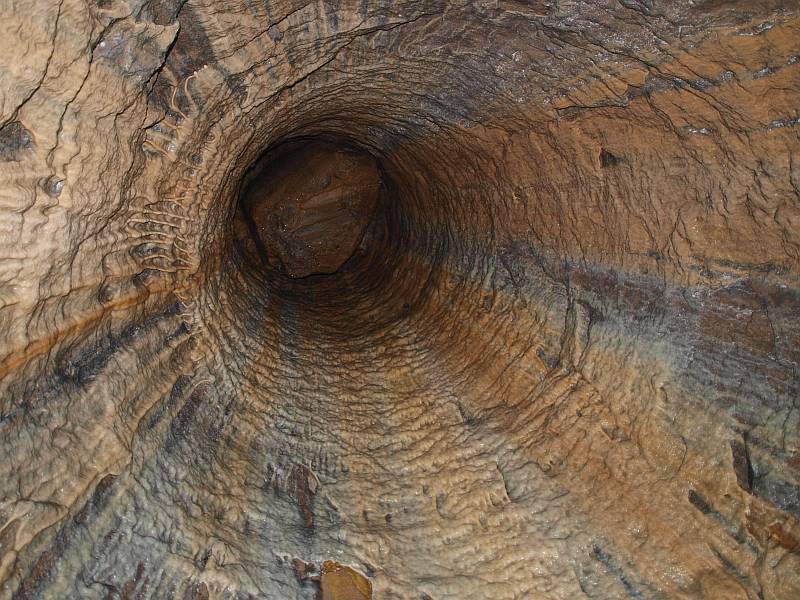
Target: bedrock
column 400, row 300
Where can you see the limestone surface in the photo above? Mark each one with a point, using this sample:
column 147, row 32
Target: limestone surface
column 400, row 300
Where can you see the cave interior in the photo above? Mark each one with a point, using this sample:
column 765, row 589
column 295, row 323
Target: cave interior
column 408, row 299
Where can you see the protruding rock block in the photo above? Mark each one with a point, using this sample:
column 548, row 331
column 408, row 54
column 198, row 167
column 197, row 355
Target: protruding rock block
column 339, row 582
column 310, row 206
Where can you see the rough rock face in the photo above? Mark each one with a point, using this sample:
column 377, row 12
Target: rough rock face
column 559, row 361
column 306, row 210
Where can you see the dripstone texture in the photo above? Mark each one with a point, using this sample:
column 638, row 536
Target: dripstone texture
column 552, row 352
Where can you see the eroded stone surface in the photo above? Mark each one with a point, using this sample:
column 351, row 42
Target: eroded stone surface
column 562, row 362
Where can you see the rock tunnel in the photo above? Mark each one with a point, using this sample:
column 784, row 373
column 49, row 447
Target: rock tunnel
column 420, row 300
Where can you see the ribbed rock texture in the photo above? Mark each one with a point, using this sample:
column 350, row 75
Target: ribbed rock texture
column 554, row 355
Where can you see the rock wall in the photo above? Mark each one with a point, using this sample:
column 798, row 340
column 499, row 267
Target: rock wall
column 561, row 362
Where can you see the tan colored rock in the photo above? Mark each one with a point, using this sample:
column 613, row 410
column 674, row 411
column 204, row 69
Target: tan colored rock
column 555, row 350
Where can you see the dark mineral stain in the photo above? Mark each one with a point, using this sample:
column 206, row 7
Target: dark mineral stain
column 181, row 426
column 765, row 72
column 14, row 139
column 178, row 389
column 302, row 487
column 700, row 503
column 135, row 588
column 468, row 419
column 778, row 492
column 143, row 278
column 144, row 250
column 732, row 528
column 608, row 160
column 729, row 566
column 741, row 465
column 43, row 569
column 643, row 6
column 196, row 591
column 614, row 569
column 99, row 500
column 274, row 33
column 84, row 366
column 550, row 361
column 162, row 12
column 191, row 52
column 297, row 482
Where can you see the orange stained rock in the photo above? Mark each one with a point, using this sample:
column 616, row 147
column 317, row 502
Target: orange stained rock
column 339, row 582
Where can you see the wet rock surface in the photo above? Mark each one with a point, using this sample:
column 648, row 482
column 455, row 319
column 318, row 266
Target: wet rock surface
column 400, row 300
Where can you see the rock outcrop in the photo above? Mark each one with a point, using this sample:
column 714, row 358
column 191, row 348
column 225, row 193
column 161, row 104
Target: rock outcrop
column 305, row 211
column 409, row 299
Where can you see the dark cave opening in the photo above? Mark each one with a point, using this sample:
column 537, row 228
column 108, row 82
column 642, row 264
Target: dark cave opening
column 323, row 246
column 537, row 338
column 307, row 204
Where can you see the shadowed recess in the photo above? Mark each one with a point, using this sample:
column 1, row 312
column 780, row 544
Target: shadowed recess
column 400, row 300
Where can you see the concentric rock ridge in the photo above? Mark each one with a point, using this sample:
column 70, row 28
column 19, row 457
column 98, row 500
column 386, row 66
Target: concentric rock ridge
column 400, row 300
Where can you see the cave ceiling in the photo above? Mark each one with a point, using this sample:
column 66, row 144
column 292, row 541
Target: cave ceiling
column 419, row 300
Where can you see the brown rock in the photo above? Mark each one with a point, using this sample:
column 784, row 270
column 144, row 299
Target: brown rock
column 302, row 569
column 339, row 582
column 302, row 486
column 311, row 205
column 493, row 299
